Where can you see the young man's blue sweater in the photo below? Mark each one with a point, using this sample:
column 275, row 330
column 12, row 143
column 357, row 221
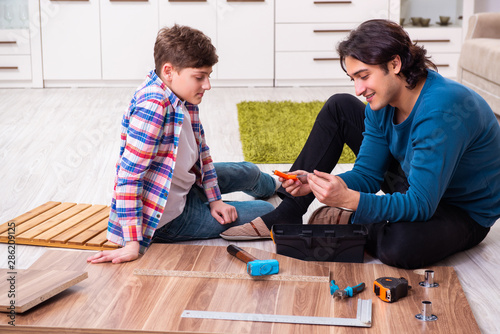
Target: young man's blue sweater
column 449, row 149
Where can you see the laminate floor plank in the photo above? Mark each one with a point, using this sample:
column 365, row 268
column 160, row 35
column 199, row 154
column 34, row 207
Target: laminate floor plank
column 177, row 258
column 114, row 298
column 32, row 287
column 92, row 298
column 204, row 260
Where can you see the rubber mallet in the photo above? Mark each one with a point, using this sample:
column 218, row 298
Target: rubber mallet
column 255, row 267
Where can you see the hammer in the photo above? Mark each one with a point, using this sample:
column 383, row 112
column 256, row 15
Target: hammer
column 254, row 267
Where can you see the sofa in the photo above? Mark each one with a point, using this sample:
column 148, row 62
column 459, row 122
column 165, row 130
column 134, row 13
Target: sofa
column 479, row 63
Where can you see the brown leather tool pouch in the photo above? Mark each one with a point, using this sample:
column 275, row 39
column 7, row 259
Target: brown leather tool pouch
column 329, row 215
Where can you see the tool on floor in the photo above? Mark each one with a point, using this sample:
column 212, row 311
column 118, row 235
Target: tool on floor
column 255, row 267
column 347, row 292
column 288, row 176
column 333, row 287
column 426, row 314
column 429, row 280
column 363, row 317
column 391, row 289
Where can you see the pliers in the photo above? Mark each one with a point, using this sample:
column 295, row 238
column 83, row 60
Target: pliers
column 336, row 292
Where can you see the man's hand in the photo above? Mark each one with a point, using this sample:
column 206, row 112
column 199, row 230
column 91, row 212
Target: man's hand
column 331, row 190
column 222, row 212
column 128, row 253
column 296, row 187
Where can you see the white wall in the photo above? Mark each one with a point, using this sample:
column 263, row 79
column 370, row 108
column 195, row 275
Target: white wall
column 481, row 6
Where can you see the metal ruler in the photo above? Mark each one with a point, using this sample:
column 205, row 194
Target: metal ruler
column 363, row 317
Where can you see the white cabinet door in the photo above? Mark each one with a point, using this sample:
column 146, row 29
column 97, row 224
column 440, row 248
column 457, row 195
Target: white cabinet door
column 198, row 14
column 446, row 63
column 311, row 68
column 325, row 11
column 71, row 44
column 312, row 37
column 128, row 34
column 437, row 39
column 245, row 35
column 15, row 60
column 242, row 32
column 13, row 68
column 15, row 42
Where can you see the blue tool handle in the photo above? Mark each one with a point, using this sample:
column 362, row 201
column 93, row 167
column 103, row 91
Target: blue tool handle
column 351, row 291
column 333, row 287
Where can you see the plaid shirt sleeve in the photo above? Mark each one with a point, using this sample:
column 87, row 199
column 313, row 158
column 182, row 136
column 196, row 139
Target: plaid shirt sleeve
column 144, row 126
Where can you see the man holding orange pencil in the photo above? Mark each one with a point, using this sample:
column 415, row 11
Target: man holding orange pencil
column 427, row 142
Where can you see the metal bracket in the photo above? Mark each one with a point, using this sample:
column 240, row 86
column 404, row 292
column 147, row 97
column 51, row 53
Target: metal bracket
column 363, row 317
column 429, row 280
column 426, row 314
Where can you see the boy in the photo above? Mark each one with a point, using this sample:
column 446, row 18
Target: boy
column 165, row 175
column 428, row 142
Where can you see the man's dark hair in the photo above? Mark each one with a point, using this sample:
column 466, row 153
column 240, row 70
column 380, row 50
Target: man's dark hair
column 376, row 42
column 183, row 47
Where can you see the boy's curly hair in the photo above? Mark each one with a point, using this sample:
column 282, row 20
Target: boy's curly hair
column 183, row 47
column 376, row 42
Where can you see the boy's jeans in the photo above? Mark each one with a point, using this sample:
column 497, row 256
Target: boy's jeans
column 196, row 222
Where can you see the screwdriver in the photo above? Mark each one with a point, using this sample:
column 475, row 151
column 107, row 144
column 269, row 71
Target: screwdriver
column 288, row 176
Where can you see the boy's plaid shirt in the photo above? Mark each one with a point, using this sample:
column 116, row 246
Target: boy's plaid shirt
column 148, row 151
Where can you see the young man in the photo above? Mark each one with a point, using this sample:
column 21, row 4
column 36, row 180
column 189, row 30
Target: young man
column 428, row 142
column 167, row 189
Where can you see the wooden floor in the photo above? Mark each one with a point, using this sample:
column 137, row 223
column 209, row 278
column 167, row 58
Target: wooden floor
column 112, row 298
column 62, row 145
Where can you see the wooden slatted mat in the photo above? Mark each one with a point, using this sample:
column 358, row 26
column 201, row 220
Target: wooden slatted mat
column 115, row 300
column 56, row 224
column 28, row 288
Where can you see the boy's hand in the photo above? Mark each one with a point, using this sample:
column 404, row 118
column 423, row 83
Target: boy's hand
column 222, row 212
column 297, row 187
column 331, row 190
column 128, row 253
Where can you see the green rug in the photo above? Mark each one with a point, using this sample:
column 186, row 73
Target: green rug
column 275, row 132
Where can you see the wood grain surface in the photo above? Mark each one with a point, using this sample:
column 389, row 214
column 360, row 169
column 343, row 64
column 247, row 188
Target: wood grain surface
column 223, row 275
column 28, row 288
column 215, row 262
column 65, row 225
column 113, row 299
